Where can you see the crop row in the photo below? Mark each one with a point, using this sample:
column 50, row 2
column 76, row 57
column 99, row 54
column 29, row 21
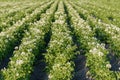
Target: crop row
column 61, row 48
column 95, row 52
column 110, row 17
column 57, row 30
column 21, row 64
column 106, row 33
column 10, row 7
column 14, row 34
column 14, row 17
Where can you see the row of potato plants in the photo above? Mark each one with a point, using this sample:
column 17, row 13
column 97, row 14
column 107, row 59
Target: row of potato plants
column 107, row 33
column 10, row 12
column 9, row 8
column 12, row 18
column 105, row 7
column 5, row 5
column 111, row 27
column 61, row 48
column 13, row 35
column 23, row 6
column 21, row 64
column 103, row 15
column 95, row 52
column 106, row 16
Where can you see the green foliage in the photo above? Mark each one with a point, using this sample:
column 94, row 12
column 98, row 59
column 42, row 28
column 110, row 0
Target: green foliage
column 28, row 27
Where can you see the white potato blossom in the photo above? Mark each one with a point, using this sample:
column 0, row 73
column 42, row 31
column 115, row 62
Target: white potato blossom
column 111, row 27
column 23, row 53
column 96, row 51
column 50, row 76
column 19, row 62
column 36, row 30
column 56, row 66
column 29, row 50
column 114, row 37
column 108, row 65
column 7, row 36
column 2, row 34
column 29, row 42
column 17, row 74
column 16, row 48
column 59, row 21
column 4, row 23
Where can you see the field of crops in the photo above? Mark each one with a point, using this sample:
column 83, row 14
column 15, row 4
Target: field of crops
column 60, row 40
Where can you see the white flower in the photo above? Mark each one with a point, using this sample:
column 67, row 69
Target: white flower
column 16, row 48
column 119, row 68
column 100, row 53
column 56, row 66
column 23, row 53
column 108, row 65
column 4, row 23
column 19, row 62
column 29, row 50
column 17, row 74
column 96, row 51
column 50, row 76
